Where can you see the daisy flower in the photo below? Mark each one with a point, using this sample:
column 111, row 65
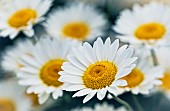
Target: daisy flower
column 107, row 107
column 22, row 15
column 147, row 24
column 101, row 107
column 97, row 69
column 163, row 55
column 143, row 78
column 12, row 56
column 12, row 97
column 40, row 72
column 84, row 22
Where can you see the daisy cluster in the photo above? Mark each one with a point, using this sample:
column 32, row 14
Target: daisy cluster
column 62, row 46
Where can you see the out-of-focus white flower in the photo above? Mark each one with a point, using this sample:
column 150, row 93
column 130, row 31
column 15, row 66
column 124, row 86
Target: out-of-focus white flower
column 84, row 23
column 40, row 72
column 143, row 78
column 149, row 24
column 12, row 97
column 22, row 15
column 101, row 107
column 107, row 107
column 163, row 55
column 98, row 69
column 12, row 56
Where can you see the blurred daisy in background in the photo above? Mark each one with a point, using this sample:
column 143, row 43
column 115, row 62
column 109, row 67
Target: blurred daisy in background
column 143, row 78
column 4, row 2
column 11, row 57
column 101, row 107
column 163, row 55
column 98, row 69
column 78, row 21
column 93, row 2
column 148, row 24
column 40, row 72
column 107, row 107
column 22, row 15
column 12, row 97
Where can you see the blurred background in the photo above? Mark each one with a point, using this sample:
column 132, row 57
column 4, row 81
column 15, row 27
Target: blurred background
column 155, row 102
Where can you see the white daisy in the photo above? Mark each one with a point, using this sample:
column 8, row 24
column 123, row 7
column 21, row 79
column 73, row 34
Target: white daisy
column 84, row 22
column 107, row 107
column 148, row 24
column 12, row 97
column 83, row 109
column 40, row 72
column 22, row 15
column 11, row 57
column 163, row 55
column 143, row 78
column 101, row 107
column 97, row 69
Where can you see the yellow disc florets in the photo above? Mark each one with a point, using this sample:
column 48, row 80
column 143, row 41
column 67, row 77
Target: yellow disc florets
column 49, row 73
column 99, row 75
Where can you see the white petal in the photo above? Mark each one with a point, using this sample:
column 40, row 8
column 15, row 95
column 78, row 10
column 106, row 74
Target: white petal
column 73, row 87
column 82, row 92
column 101, row 93
column 89, row 96
column 43, row 98
column 70, row 79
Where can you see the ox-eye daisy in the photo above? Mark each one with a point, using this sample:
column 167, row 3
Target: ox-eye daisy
column 148, row 24
column 12, row 97
column 97, row 69
column 22, row 15
column 83, row 23
column 13, row 54
column 142, row 79
column 40, row 72
column 163, row 55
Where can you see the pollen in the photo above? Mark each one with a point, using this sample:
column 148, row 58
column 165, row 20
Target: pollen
column 99, row 75
column 166, row 81
column 135, row 78
column 49, row 73
column 7, row 105
column 22, row 17
column 76, row 30
column 150, row 31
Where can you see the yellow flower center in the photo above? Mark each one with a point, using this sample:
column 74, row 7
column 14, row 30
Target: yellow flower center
column 76, row 30
column 150, row 31
column 99, row 75
column 166, row 81
column 134, row 78
column 49, row 73
column 22, row 17
column 7, row 105
column 34, row 99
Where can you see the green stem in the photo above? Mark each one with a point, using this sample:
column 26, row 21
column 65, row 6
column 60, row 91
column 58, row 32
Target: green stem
column 122, row 102
column 136, row 101
column 155, row 61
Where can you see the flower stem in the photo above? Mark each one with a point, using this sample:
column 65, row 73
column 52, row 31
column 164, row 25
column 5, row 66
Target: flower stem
column 154, row 58
column 136, row 101
column 122, row 102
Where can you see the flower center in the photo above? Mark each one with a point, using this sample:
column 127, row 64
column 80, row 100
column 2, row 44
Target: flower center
column 134, row 78
column 99, row 75
column 166, row 81
column 22, row 17
column 150, row 31
column 76, row 30
column 7, row 105
column 49, row 73
column 34, row 99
